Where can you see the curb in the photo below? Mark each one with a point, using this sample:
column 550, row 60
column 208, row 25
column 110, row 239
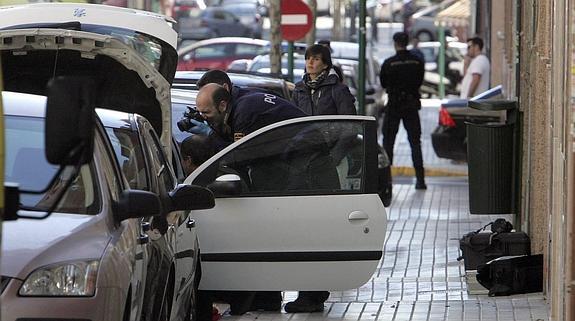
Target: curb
column 409, row 171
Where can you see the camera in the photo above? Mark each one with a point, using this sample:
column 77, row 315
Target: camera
column 185, row 124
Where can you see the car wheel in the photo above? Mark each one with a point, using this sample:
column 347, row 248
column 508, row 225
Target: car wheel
column 424, row 35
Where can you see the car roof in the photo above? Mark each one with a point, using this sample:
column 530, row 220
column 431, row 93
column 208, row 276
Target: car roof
column 150, row 23
column 238, row 79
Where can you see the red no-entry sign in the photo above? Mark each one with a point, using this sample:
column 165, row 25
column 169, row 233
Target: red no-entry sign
column 296, row 19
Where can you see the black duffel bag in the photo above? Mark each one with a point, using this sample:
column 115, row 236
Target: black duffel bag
column 512, row 275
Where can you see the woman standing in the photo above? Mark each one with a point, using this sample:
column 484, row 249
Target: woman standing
column 321, row 92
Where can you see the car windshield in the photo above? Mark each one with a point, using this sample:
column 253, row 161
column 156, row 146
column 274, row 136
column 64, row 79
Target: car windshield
column 241, row 9
column 27, row 166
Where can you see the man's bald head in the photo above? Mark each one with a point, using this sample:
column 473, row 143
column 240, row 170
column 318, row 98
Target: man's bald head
column 212, row 102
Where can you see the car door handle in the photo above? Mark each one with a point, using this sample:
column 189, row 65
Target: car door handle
column 191, row 223
column 357, row 215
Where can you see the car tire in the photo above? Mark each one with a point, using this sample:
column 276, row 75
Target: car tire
column 425, row 35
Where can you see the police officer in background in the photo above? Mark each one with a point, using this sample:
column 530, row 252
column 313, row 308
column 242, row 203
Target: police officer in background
column 401, row 76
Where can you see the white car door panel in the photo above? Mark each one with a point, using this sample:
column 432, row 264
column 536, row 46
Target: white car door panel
column 303, row 212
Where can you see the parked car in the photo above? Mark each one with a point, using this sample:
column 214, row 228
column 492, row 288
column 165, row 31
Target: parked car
column 182, row 8
column 277, row 86
column 238, row 253
column 454, row 55
column 174, row 265
column 212, row 22
column 218, row 53
column 111, row 241
column 261, row 64
column 422, row 23
column 449, row 139
column 347, row 53
column 261, row 5
column 248, row 14
column 374, row 101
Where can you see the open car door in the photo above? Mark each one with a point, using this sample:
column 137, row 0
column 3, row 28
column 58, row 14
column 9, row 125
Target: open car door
column 296, row 207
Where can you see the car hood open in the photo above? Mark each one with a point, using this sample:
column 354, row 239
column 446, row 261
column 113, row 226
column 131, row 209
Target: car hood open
column 29, row 244
column 126, row 77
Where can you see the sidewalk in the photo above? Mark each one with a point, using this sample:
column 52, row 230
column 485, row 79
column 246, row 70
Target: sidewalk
column 419, row 278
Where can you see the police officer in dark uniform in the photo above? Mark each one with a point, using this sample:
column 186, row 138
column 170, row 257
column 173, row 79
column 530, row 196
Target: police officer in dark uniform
column 232, row 113
column 401, row 76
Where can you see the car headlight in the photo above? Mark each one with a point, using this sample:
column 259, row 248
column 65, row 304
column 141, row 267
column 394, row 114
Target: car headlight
column 63, row 279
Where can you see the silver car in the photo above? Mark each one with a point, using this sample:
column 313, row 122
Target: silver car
column 88, row 259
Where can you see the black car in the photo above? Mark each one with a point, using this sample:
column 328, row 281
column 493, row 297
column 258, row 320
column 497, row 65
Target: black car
column 276, row 86
column 449, row 138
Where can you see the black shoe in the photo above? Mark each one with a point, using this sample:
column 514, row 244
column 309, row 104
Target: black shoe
column 420, row 185
column 299, row 306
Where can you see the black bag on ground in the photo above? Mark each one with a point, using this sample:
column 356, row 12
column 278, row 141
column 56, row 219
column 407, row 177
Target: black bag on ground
column 512, row 275
column 479, row 248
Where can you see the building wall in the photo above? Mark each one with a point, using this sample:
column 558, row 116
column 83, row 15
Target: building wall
column 545, row 88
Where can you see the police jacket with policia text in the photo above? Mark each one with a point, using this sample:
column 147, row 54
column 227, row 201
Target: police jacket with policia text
column 251, row 110
column 402, row 75
column 330, row 97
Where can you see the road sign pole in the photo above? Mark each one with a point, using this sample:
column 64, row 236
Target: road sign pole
column 361, row 71
column 290, row 61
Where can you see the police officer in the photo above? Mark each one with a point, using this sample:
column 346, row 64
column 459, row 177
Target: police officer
column 232, row 120
column 401, row 76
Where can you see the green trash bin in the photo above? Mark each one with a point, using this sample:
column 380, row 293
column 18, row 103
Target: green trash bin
column 490, row 159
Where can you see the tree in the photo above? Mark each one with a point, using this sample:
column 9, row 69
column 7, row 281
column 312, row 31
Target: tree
column 275, row 36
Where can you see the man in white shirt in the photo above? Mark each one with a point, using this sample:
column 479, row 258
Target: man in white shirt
column 476, row 69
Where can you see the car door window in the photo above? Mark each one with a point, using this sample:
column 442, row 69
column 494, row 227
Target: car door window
column 108, row 168
column 229, row 17
column 128, row 152
column 299, row 159
column 244, row 49
column 212, row 51
column 219, row 15
column 158, row 163
column 26, row 165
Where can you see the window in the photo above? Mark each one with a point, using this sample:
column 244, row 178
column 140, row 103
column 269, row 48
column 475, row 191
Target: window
column 26, row 165
column 158, row 163
column 299, row 159
column 212, row 51
column 128, row 152
column 244, row 49
column 107, row 167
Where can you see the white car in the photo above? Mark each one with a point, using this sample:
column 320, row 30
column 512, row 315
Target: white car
column 296, row 207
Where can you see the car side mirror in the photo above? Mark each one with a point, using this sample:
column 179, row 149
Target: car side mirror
column 70, row 121
column 226, row 185
column 191, row 197
column 136, row 203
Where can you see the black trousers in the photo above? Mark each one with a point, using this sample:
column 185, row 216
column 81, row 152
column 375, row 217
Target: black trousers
column 411, row 123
